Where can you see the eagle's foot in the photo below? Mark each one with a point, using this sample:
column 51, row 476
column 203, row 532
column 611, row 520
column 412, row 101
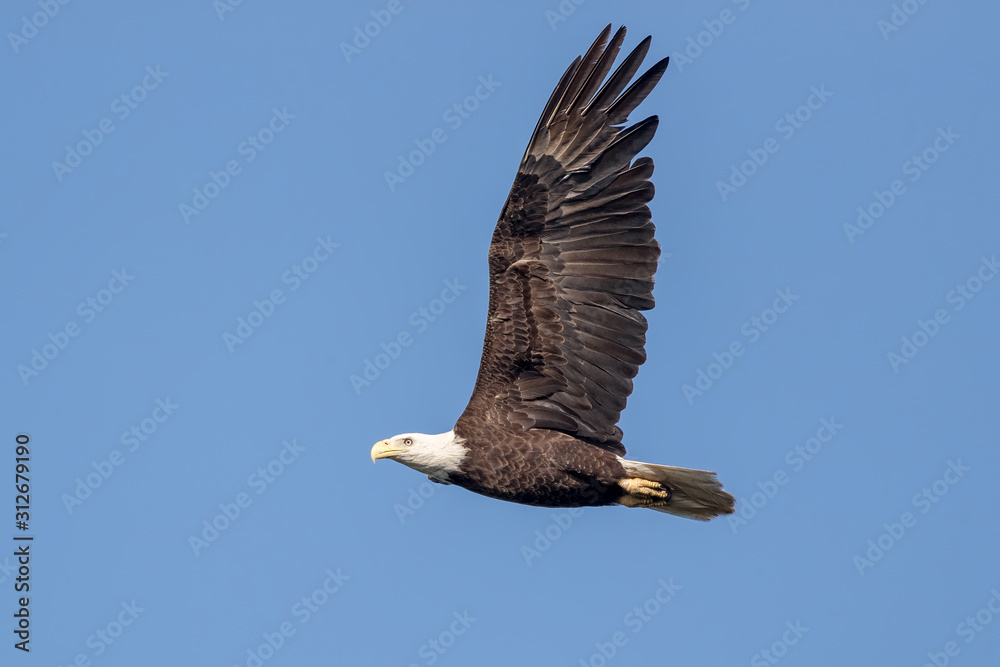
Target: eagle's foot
column 643, row 493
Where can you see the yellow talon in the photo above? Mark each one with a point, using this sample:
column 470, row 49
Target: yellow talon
column 643, row 493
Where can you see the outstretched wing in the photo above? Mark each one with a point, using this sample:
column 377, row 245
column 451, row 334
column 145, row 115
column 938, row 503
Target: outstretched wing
column 572, row 259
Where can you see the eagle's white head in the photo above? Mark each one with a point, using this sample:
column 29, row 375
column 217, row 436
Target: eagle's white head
column 435, row 455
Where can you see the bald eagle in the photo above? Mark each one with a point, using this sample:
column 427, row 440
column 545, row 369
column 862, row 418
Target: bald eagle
column 571, row 266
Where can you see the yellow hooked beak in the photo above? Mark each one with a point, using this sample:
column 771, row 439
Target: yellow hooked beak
column 383, row 449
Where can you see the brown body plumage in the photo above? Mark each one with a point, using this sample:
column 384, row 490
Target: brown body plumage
column 571, row 266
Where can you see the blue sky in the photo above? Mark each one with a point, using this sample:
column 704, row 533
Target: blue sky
column 202, row 247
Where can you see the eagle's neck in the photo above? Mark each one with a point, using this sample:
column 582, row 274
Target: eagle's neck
column 437, row 455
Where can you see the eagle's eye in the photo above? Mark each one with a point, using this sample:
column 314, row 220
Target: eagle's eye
column 408, row 441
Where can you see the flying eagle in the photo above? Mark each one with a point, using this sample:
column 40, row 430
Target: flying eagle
column 571, row 266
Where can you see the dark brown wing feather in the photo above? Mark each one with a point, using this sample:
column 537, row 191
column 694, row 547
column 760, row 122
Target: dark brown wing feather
column 572, row 259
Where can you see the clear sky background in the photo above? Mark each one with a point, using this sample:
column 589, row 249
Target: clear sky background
column 867, row 532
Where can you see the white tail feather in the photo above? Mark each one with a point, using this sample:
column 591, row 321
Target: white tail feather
column 696, row 494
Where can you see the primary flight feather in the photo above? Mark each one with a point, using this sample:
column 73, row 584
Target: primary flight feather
column 571, row 266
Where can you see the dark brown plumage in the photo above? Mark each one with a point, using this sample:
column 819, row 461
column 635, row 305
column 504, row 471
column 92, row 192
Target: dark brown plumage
column 572, row 260
column 571, row 268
